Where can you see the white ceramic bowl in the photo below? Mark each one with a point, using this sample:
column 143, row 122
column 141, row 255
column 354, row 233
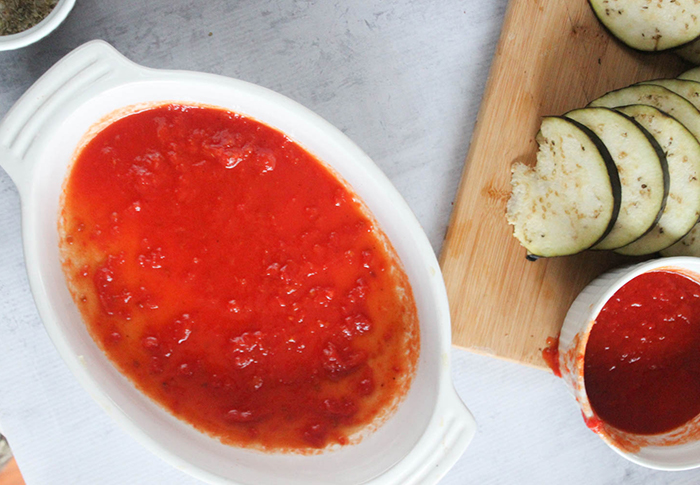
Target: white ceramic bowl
column 655, row 452
column 40, row 30
column 431, row 427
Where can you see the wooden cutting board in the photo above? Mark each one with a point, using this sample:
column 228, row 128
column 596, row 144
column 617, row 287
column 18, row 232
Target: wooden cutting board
column 553, row 56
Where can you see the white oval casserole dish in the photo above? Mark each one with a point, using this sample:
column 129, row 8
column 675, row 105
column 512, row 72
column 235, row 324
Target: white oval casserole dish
column 431, row 427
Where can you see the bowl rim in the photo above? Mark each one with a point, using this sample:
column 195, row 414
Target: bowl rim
column 40, row 30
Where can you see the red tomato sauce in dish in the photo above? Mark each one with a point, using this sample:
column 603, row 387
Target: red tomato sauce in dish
column 642, row 360
column 235, row 280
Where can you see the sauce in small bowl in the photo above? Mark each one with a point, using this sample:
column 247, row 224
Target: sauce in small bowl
column 628, row 351
column 642, row 361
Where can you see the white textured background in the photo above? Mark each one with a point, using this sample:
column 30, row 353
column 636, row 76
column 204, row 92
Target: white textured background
column 404, row 80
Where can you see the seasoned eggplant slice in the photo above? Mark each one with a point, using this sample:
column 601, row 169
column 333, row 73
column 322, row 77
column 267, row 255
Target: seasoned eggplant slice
column 658, row 97
column 690, row 52
column 570, row 199
column 691, row 74
column 641, row 165
column 648, row 25
column 683, row 203
column 688, row 246
column 688, row 89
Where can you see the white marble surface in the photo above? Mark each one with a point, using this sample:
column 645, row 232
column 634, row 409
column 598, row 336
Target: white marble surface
column 403, row 79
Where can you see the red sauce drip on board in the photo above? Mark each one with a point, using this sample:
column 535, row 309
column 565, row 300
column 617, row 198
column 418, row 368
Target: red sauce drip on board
column 642, row 361
column 550, row 354
column 235, row 280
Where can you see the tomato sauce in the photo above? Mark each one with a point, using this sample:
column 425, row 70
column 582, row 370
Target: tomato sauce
column 235, row 280
column 642, row 360
column 550, row 354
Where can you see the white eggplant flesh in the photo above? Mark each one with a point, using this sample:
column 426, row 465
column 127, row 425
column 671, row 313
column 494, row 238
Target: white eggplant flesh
column 688, row 246
column 690, row 52
column 686, row 88
column 682, row 209
column 691, row 74
column 658, row 97
column 569, row 200
column 642, row 168
column 650, row 25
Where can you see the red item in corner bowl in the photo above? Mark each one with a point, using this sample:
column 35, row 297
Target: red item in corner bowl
column 642, row 360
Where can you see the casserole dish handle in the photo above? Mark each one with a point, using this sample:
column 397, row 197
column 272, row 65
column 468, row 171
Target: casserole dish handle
column 10, row 164
column 87, row 70
column 449, row 433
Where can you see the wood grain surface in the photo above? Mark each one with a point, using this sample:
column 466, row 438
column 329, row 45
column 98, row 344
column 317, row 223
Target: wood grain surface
column 552, row 56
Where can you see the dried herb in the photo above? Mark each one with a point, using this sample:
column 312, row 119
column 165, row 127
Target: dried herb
column 19, row 15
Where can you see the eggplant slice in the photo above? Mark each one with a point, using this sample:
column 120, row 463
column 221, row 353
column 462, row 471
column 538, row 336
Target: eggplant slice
column 648, row 25
column 690, row 52
column 642, row 168
column 688, row 89
column 683, row 203
column 691, row 74
column 688, row 246
column 658, row 97
column 570, row 199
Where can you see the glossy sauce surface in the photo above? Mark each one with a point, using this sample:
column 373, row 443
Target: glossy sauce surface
column 235, row 280
column 642, row 360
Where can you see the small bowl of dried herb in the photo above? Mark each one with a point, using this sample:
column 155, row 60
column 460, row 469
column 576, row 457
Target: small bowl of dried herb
column 23, row 22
